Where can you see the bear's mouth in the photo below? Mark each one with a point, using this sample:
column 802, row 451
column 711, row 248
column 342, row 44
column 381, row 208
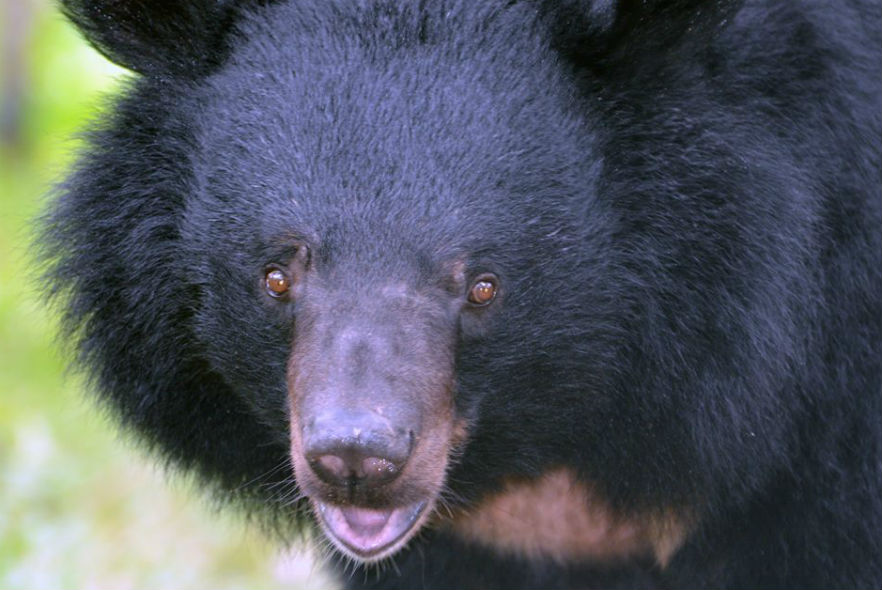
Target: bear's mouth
column 369, row 534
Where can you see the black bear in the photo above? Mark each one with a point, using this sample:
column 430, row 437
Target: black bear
column 498, row 294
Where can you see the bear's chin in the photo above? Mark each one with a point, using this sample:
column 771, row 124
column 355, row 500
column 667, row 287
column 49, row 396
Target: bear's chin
column 368, row 534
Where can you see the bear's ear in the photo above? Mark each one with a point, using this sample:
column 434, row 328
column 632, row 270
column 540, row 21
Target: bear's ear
column 588, row 29
column 156, row 37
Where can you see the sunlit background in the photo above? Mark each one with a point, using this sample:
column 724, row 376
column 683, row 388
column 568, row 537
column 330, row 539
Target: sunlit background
column 80, row 506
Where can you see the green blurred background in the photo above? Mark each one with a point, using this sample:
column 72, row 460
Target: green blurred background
column 80, row 506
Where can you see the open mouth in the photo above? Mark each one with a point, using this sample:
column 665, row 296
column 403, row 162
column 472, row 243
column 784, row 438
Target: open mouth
column 369, row 534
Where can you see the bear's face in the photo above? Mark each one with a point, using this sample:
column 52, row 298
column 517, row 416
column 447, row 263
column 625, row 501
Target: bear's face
column 358, row 219
column 362, row 239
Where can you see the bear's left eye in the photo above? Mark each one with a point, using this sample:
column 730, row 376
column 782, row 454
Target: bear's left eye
column 483, row 290
column 277, row 283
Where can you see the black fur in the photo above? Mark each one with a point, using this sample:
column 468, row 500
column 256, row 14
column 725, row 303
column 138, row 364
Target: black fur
column 681, row 199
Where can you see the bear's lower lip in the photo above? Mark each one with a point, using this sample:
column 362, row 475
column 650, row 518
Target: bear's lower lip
column 369, row 534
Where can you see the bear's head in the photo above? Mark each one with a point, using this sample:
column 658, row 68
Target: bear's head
column 364, row 247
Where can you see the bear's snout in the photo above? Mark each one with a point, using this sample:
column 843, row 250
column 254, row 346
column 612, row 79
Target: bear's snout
column 373, row 422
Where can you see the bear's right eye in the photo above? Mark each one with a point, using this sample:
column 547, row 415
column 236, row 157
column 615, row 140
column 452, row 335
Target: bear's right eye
column 277, row 283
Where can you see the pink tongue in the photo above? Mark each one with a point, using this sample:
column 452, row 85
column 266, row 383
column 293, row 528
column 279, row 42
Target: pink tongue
column 368, row 533
column 364, row 522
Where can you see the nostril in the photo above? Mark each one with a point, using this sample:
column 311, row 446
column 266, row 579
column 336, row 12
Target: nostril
column 331, row 467
column 379, row 469
column 348, row 466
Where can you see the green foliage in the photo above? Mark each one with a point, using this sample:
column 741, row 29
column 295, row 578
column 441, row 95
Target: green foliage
column 78, row 506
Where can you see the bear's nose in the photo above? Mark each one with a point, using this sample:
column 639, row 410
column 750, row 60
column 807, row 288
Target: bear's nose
column 347, row 448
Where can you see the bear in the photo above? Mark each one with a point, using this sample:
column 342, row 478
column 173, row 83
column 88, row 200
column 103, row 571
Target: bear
column 501, row 294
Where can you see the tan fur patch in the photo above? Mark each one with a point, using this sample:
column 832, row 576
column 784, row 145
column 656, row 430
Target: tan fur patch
column 560, row 518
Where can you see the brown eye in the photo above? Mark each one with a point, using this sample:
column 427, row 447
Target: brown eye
column 277, row 283
column 483, row 290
